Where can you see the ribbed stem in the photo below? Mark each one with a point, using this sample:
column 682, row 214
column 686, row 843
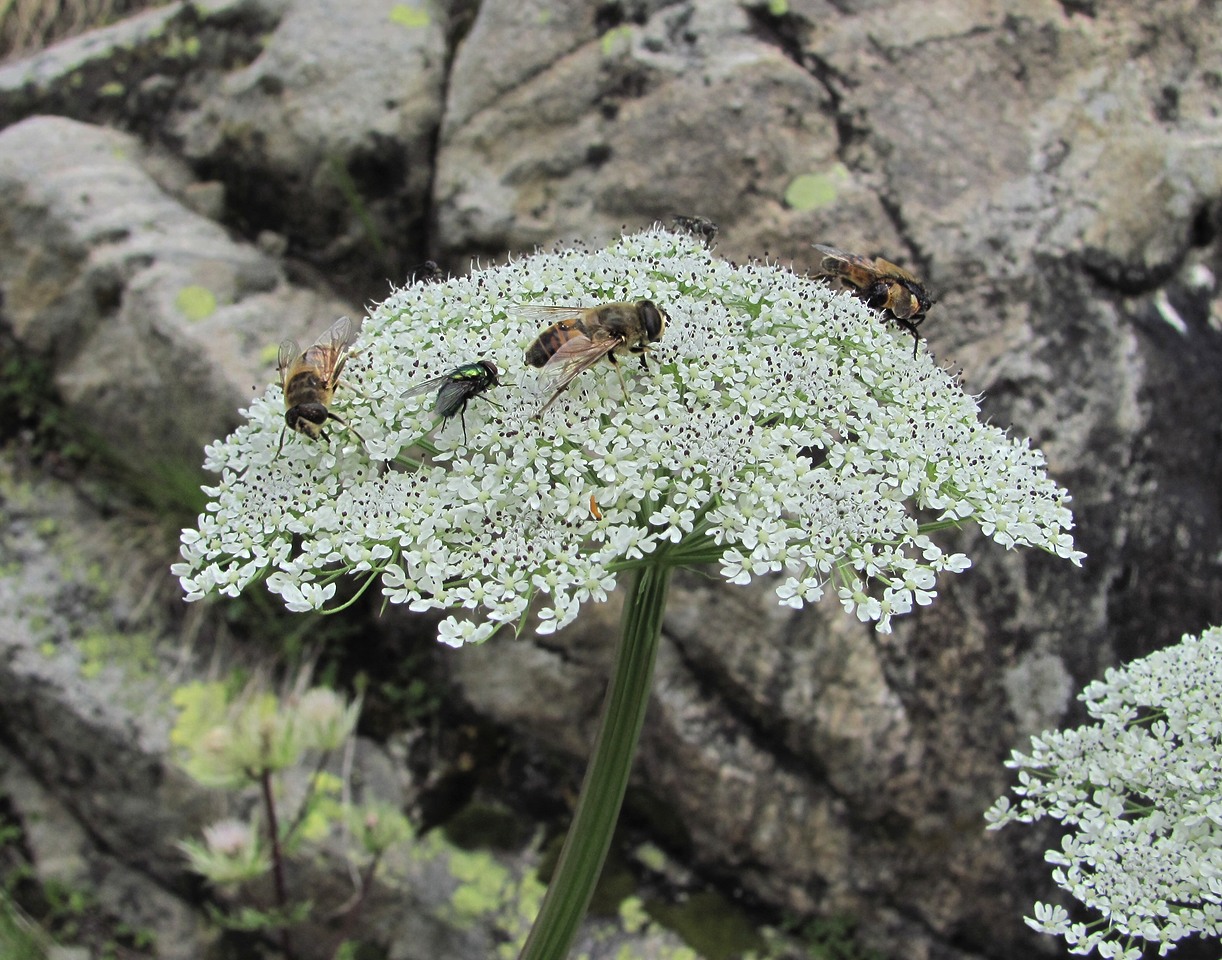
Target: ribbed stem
column 602, row 792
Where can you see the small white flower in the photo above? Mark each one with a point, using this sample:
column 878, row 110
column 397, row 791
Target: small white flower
column 778, row 426
column 1142, row 791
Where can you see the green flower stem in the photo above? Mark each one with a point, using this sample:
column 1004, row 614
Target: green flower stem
column 602, row 793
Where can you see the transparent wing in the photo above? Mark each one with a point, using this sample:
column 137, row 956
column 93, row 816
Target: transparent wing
column 548, row 313
column 289, row 351
column 836, row 261
column 570, row 361
column 425, row 386
column 340, row 335
column 330, row 351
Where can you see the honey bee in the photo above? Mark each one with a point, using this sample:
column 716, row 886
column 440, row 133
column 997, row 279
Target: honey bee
column 881, row 284
column 456, row 388
column 309, row 378
column 581, row 336
column 697, row 226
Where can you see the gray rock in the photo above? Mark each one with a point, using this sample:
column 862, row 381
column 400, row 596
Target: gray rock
column 323, row 135
column 327, row 135
column 1051, row 186
column 157, row 324
column 63, row 853
column 688, row 111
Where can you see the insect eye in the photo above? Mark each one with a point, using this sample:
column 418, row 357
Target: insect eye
column 654, row 319
column 314, row 412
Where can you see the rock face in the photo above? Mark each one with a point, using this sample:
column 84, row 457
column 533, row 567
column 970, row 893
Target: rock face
column 156, row 322
column 1051, row 169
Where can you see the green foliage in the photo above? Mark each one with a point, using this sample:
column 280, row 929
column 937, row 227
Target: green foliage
column 29, row 400
column 247, row 739
column 834, row 938
column 19, row 938
column 411, row 699
column 711, row 924
column 66, row 914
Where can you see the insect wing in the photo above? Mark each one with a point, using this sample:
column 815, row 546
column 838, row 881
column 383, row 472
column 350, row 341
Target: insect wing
column 833, row 254
column 340, row 335
column 287, row 360
column 425, row 386
column 549, row 312
column 454, row 394
column 889, row 270
column 559, row 325
column 330, row 351
column 573, row 358
column 856, row 269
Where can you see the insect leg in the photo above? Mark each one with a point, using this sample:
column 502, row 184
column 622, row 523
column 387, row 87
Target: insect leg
column 346, row 426
column 619, row 372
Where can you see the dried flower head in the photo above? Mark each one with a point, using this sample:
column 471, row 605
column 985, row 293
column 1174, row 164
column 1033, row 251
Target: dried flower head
column 779, row 428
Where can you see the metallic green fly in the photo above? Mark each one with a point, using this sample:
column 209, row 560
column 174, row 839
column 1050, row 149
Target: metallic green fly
column 456, row 388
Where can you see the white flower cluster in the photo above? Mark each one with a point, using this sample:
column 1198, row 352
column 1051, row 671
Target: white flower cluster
column 1142, row 791
column 779, row 428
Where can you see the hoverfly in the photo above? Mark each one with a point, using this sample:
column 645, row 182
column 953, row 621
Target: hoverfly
column 701, row 227
column 581, row 336
column 881, row 284
column 456, row 388
column 309, row 378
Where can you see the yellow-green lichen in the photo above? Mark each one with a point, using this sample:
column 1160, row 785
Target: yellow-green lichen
column 633, row 915
column 135, row 652
column 810, row 191
column 112, row 89
column 195, row 302
column 617, row 40
column 408, row 16
column 651, row 857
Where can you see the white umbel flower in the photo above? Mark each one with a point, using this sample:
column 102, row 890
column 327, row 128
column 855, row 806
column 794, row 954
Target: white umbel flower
column 780, row 428
column 1141, row 793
